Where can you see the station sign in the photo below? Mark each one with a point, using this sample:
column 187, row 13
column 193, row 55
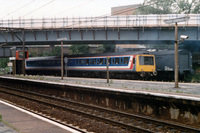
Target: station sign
column 12, row 58
column 10, row 64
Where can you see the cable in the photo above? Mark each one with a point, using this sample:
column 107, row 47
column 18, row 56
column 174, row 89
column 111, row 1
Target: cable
column 74, row 7
column 39, row 8
column 109, row 15
column 20, row 8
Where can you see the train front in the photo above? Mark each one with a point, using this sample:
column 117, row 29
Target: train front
column 145, row 65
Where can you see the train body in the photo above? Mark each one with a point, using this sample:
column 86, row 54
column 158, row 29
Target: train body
column 165, row 63
column 132, row 65
column 120, row 66
column 43, row 66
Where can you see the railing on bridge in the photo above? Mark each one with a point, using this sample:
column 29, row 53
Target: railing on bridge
column 97, row 22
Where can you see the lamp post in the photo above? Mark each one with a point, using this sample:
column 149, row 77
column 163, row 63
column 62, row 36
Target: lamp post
column 13, row 59
column 23, row 43
column 62, row 71
column 171, row 21
column 107, row 66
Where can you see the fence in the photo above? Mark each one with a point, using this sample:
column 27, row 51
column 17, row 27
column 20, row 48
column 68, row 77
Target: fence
column 97, row 22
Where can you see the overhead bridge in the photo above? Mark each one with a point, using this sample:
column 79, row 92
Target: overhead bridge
column 133, row 29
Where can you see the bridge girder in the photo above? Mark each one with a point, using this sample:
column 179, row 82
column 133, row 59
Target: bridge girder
column 99, row 35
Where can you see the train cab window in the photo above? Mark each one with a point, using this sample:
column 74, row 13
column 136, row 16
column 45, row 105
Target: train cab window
column 126, row 60
column 116, row 61
column 146, row 60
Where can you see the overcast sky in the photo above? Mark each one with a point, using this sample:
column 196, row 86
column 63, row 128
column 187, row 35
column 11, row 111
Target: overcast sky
column 12, row 9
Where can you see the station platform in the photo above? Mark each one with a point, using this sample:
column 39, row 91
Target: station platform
column 119, row 84
column 21, row 121
column 188, row 90
column 176, row 104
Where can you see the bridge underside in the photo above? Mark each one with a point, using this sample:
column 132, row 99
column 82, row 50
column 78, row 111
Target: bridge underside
column 139, row 35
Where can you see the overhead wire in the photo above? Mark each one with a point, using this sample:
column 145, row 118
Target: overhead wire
column 19, row 8
column 96, row 18
column 73, row 7
column 109, row 14
column 38, row 8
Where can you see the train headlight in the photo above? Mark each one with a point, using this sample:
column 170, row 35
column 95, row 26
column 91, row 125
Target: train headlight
column 155, row 73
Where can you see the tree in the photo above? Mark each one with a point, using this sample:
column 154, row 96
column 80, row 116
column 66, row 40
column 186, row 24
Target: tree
column 105, row 48
column 3, row 62
column 55, row 52
column 79, row 49
column 169, row 7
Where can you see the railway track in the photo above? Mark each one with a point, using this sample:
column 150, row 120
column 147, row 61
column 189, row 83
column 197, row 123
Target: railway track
column 126, row 121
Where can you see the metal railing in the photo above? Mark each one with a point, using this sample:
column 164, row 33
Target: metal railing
column 96, row 22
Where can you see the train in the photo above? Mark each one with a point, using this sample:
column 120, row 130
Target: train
column 158, row 65
column 120, row 65
column 165, row 64
column 43, row 66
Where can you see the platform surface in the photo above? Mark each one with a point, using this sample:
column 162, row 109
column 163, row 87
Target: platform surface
column 189, row 91
column 25, row 123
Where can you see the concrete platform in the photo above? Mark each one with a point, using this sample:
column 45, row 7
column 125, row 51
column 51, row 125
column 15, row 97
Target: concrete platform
column 158, row 99
column 26, row 123
column 166, row 89
column 6, row 129
column 192, row 89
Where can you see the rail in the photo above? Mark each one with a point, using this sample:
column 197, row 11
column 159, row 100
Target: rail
column 129, row 122
column 129, row 21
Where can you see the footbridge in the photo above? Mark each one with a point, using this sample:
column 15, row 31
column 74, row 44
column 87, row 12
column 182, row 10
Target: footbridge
column 133, row 29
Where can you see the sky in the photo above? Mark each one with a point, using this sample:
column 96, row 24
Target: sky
column 26, row 9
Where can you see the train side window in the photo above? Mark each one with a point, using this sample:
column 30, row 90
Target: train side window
column 58, row 63
column 69, row 62
column 101, row 61
column 109, row 61
column 76, row 62
column 126, row 59
column 121, row 61
column 116, row 61
column 33, row 63
column 82, row 61
column 105, row 61
column 79, row 62
column 91, row 61
column 39, row 63
column 112, row 61
column 87, row 61
column 97, row 61
column 36, row 63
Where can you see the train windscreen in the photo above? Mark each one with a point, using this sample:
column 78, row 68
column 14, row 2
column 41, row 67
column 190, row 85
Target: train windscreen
column 146, row 60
